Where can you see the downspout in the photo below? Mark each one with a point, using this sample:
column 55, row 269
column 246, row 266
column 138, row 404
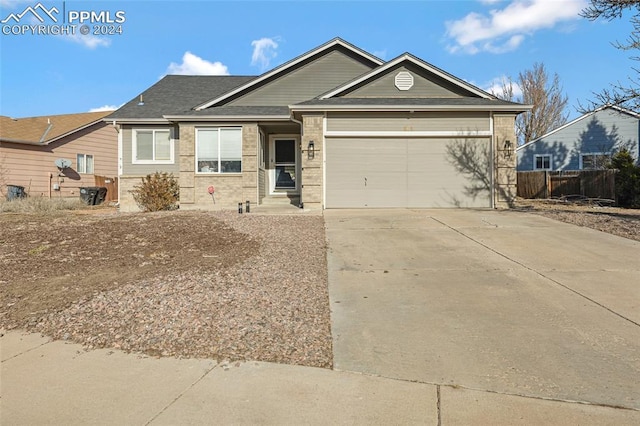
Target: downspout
column 119, row 131
column 299, row 123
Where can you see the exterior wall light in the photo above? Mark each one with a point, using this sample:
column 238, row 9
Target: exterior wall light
column 508, row 149
column 311, row 150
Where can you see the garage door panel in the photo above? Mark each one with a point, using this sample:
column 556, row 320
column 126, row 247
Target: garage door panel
column 390, row 172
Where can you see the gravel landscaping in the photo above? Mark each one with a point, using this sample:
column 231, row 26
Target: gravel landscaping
column 613, row 220
column 222, row 286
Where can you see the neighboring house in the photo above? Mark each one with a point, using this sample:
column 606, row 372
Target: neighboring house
column 584, row 143
column 29, row 148
column 333, row 128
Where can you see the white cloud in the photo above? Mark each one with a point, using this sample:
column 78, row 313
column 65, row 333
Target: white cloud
column 495, row 86
column 10, row 4
column 382, row 54
column 88, row 40
column 264, row 50
column 105, row 108
column 195, row 65
column 503, row 30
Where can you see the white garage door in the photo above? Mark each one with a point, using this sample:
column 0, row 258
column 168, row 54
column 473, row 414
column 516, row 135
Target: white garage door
column 415, row 172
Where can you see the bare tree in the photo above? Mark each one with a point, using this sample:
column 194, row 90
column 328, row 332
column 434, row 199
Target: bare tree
column 546, row 96
column 621, row 94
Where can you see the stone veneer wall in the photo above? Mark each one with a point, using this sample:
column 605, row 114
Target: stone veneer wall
column 126, row 184
column 311, row 195
column 505, row 179
column 230, row 189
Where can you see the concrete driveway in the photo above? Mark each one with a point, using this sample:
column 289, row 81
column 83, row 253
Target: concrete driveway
column 502, row 301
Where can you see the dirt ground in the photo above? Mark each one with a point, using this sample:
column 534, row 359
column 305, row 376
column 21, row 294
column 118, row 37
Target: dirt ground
column 613, row 220
column 48, row 262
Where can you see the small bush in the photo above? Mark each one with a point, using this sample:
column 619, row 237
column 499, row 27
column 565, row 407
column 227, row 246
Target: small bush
column 157, row 192
column 40, row 205
column 627, row 179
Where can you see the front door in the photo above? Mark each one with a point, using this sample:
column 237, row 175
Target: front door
column 284, row 165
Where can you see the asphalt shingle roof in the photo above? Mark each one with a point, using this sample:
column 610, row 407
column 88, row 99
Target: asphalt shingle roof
column 47, row 128
column 177, row 95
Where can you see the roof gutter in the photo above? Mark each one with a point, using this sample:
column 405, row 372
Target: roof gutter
column 135, row 120
column 193, row 118
column 383, row 108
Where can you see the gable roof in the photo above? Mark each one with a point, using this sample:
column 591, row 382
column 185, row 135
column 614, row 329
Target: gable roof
column 46, row 129
column 408, row 58
column 287, row 66
column 176, row 95
column 582, row 117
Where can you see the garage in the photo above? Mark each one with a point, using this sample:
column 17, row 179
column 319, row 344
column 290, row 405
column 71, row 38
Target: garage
column 379, row 172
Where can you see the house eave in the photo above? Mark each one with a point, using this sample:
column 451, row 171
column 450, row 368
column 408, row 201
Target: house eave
column 23, row 142
column 192, row 118
column 382, row 108
column 136, row 120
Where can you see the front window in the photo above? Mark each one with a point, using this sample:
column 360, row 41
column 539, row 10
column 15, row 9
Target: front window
column 152, row 146
column 219, row 150
column 84, row 164
column 543, row 162
column 594, row 161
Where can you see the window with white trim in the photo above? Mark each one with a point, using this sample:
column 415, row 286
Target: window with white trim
column 152, row 146
column 594, row 160
column 84, row 164
column 542, row 162
column 219, row 150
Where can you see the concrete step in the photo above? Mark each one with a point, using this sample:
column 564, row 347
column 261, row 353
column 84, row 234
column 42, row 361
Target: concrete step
column 280, row 200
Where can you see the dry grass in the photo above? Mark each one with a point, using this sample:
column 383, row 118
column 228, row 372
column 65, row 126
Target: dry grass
column 41, row 205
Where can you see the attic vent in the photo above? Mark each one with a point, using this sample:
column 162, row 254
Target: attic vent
column 404, row 80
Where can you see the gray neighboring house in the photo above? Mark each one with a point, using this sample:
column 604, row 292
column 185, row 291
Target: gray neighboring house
column 333, row 128
column 584, row 143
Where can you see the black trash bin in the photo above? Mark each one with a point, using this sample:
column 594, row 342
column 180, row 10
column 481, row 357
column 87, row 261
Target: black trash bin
column 101, row 195
column 88, row 194
column 15, row 192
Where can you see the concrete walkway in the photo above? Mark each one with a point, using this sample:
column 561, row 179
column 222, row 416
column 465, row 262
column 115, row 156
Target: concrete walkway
column 439, row 317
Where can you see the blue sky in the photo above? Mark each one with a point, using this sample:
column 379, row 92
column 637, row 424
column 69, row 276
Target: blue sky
column 481, row 41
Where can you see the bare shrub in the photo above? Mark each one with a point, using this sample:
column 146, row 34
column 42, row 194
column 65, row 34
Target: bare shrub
column 159, row 191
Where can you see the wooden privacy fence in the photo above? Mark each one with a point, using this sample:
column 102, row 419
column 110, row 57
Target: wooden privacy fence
column 112, row 187
column 586, row 183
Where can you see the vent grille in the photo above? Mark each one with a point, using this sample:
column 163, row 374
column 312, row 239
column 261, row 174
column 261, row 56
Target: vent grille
column 404, row 80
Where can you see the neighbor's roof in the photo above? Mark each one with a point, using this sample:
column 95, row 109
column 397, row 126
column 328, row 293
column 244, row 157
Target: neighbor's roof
column 582, row 117
column 46, row 129
column 177, row 95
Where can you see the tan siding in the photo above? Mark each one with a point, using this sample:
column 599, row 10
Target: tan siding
column 128, row 168
column 30, row 165
column 306, row 82
column 423, row 87
column 406, row 121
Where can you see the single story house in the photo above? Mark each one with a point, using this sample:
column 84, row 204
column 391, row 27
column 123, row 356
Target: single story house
column 31, row 150
column 584, row 143
column 335, row 127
